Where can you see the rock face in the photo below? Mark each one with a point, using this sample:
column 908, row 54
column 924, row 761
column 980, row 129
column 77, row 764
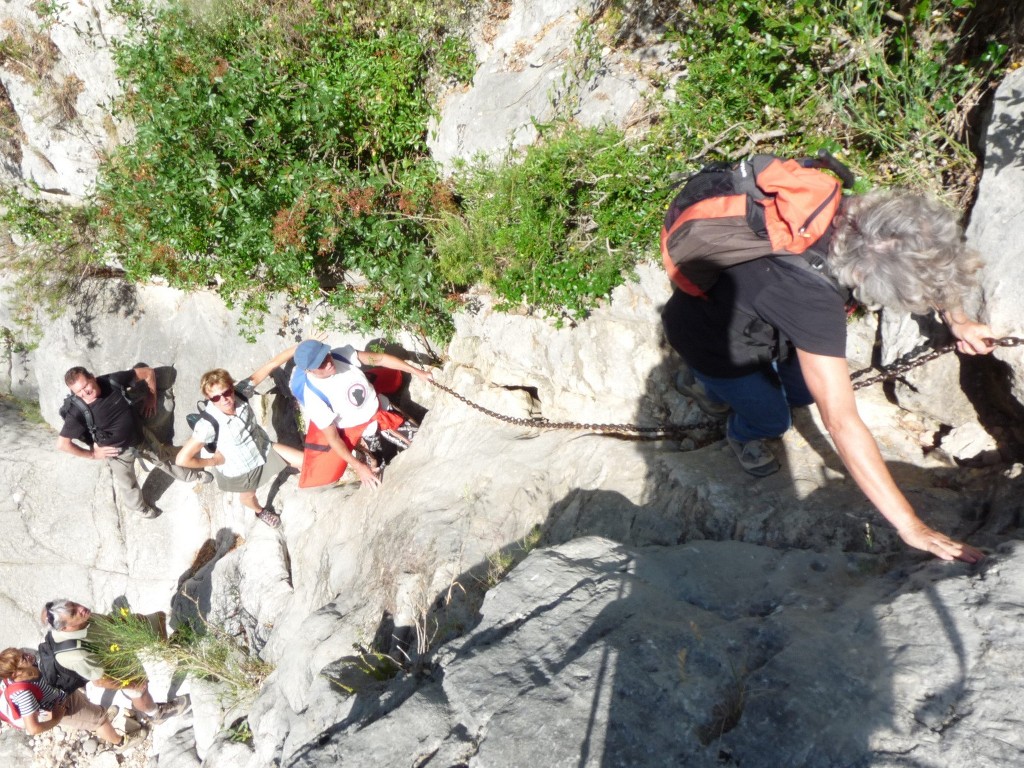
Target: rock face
column 551, row 597
column 55, row 90
column 538, row 62
column 996, row 222
column 713, row 653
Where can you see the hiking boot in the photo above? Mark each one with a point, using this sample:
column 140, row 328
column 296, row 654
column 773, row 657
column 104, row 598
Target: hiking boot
column 149, row 512
column 205, row 478
column 269, row 516
column 130, row 740
column 755, row 457
column 173, row 708
column 687, row 385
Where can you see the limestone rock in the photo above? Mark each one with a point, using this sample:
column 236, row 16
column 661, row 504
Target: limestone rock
column 59, row 95
column 970, row 443
column 535, row 63
column 995, row 222
column 709, row 653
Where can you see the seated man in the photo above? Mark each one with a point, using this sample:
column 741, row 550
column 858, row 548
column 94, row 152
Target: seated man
column 105, row 419
column 245, row 459
column 67, row 620
column 337, row 397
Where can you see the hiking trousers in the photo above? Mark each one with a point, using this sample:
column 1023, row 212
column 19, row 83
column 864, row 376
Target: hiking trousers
column 760, row 401
column 154, row 453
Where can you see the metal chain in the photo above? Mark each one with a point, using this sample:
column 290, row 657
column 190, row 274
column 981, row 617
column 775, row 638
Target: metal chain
column 661, row 433
column 898, row 369
column 645, row 433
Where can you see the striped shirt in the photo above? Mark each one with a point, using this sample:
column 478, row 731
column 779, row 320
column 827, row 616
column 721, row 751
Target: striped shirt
column 27, row 703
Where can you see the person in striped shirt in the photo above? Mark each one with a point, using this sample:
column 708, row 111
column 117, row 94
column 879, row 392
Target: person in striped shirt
column 70, row 710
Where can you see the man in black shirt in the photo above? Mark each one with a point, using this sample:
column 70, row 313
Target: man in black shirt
column 118, row 435
column 771, row 334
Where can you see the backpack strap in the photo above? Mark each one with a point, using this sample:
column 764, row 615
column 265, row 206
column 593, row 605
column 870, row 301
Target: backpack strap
column 84, row 414
column 318, row 393
column 9, row 689
column 301, row 381
column 201, row 406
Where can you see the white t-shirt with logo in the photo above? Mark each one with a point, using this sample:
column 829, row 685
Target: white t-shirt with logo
column 353, row 400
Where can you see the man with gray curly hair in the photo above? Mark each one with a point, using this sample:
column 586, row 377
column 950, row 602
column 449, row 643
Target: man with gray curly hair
column 770, row 334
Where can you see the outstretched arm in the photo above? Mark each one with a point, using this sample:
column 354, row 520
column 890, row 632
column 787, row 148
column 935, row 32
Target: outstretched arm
column 275, row 362
column 390, row 361
column 366, row 476
column 828, row 380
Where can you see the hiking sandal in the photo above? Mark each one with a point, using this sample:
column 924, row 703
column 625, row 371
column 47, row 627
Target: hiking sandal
column 270, row 517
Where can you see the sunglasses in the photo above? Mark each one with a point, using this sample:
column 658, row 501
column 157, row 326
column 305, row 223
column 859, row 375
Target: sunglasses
column 221, row 395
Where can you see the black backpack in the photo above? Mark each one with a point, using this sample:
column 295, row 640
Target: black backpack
column 193, row 418
column 52, row 671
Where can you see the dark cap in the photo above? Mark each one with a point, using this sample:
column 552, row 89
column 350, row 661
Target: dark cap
column 310, row 354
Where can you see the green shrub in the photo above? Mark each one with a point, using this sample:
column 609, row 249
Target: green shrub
column 282, row 147
column 282, row 151
column 205, row 651
column 556, row 230
column 55, row 254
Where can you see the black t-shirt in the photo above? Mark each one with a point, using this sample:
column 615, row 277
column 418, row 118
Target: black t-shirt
column 737, row 328
column 116, row 423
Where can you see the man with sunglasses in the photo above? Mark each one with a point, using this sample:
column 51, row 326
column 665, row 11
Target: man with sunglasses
column 113, row 431
column 244, row 458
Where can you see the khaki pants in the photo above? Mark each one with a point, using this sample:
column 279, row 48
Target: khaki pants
column 153, row 452
column 81, row 713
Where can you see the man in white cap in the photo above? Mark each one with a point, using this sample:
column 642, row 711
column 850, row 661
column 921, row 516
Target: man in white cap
column 337, row 398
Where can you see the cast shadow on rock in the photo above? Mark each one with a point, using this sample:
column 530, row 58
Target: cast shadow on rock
column 192, row 600
column 101, row 298
column 749, row 655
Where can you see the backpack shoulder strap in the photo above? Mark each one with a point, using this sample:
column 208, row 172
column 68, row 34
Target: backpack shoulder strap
column 65, row 645
column 84, row 414
column 9, row 689
column 318, row 393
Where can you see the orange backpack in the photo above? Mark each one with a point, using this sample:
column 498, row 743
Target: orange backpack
column 765, row 206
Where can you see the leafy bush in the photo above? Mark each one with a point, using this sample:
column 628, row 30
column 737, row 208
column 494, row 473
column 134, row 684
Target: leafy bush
column 282, row 147
column 557, row 229
column 281, row 151
column 558, row 226
column 55, row 253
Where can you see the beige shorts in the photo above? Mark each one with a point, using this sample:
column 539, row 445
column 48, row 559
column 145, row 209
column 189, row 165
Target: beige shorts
column 81, row 713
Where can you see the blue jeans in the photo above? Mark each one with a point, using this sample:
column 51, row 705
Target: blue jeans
column 760, row 401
